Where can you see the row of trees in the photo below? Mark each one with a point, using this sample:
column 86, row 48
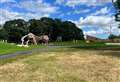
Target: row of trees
column 13, row 30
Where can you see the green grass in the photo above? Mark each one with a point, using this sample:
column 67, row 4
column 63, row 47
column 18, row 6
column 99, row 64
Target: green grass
column 6, row 48
column 92, row 45
column 69, row 43
column 98, row 46
column 78, row 43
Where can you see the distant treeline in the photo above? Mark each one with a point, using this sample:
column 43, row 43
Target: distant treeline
column 13, row 30
column 112, row 36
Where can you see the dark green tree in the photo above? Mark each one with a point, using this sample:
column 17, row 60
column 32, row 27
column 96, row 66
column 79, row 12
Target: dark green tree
column 54, row 28
column 112, row 37
column 36, row 27
column 117, row 6
column 15, row 30
column 71, row 31
column 3, row 34
column 49, row 23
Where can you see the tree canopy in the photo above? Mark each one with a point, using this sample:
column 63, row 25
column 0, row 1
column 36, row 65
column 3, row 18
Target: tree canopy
column 117, row 6
column 112, row 36
column 13, row 30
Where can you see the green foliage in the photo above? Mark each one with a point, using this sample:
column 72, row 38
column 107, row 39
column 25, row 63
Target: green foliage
column 117, row 6
column 3, row 34
column 15, row 30
column 113, row 36
column 44, row 26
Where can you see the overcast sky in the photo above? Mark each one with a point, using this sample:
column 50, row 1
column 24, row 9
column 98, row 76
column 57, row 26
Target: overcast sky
column 93, row 16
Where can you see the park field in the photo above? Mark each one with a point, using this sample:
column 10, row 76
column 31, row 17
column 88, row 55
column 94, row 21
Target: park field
column 8, row 48
column 63, row 65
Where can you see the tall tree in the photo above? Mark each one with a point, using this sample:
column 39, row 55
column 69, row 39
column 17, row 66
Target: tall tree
column 36, row 27
column 49, row 24
column 54, row 28
column 117, row 6
column 15, row 29
column 3, row 34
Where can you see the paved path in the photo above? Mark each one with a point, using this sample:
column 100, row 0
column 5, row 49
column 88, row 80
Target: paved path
column 28, row 52
column 5, row 56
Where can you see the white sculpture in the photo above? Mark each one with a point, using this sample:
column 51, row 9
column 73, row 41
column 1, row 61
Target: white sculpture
column 33, row 39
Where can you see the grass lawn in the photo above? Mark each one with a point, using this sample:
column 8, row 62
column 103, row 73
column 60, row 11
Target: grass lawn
column 63, row 65
column 91, row 46
column 6, row 48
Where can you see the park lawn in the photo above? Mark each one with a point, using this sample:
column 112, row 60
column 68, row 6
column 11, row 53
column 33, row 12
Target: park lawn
column 63, row 65
column 7, row 48
column 83, row 45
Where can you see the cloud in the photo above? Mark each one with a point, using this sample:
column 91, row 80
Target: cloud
column 102, row 11
column 38, row 6
column 94, row 32
column 81, row 11
column 73, row 3
column 75, row 12
column 33, row 9
column 98, row 25
column 102, row 31
column 6, row 1
column 96, row 20
column 6, row 15
column 59, row 1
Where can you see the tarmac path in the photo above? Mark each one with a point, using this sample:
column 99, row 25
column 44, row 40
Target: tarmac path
column 30, row 52
column 27, row 52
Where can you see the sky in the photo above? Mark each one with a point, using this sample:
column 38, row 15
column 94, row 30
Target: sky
column 94, row 17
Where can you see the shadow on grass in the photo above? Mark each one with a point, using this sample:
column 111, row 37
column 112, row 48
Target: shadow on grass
column 111, row 53
column 97, row 47
column 103, row 50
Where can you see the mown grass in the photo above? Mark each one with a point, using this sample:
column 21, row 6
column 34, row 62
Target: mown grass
column 91, row 45
column 6, row 48
column 98, row 47
column 63, row 65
